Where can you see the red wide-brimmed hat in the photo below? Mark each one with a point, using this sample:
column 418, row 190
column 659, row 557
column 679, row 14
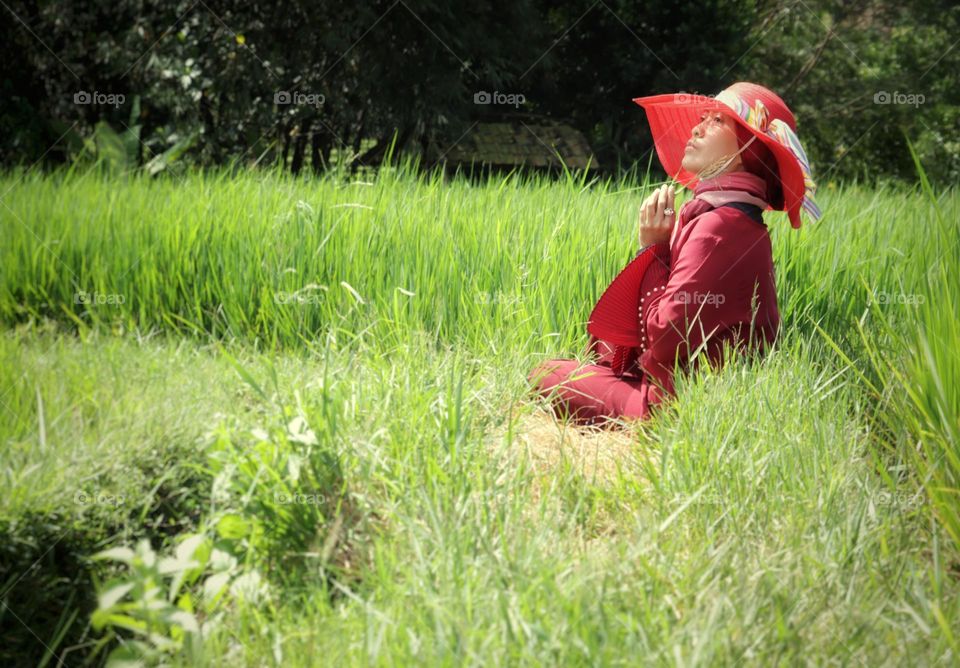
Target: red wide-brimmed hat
column 761, row 111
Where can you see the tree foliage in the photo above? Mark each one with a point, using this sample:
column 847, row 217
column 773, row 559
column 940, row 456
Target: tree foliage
column 315, row 83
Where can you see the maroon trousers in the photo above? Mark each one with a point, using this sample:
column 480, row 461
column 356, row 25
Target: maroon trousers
column 589, row 393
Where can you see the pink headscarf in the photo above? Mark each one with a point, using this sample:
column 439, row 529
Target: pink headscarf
column 720, row 190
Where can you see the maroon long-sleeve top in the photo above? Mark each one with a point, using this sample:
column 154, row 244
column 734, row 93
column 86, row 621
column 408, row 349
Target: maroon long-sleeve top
column 712, row 284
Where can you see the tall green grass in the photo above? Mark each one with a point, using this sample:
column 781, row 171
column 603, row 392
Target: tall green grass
column 794, row 509
column 269, row 259
column 913, row 368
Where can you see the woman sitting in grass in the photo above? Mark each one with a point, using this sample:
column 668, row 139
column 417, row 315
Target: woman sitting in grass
column 703, row 280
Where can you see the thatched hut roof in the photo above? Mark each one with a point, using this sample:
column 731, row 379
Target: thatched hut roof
column 517, row 140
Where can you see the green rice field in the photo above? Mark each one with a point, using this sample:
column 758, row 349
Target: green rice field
column 250, row 419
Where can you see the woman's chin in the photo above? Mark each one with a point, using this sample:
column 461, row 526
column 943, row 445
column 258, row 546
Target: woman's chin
column 690, row 166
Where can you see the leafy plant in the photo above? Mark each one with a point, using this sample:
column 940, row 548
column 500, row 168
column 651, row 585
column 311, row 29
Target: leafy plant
column 279, row 489
column 161, row 606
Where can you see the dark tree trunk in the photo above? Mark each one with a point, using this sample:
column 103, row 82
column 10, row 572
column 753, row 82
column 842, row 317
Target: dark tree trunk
column 357, row 139
column 299, row 148
column 206, row 113
column 320, row 145
column 425, row 147
column 285, row 138
column 374, row 156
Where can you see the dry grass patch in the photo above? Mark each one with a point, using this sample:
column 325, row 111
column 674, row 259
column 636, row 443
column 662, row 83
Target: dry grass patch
column 547, row 446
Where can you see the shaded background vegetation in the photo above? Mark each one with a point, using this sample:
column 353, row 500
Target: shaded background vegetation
column 200, row 79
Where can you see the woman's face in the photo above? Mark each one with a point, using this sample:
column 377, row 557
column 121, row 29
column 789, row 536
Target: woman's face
column 712, row 141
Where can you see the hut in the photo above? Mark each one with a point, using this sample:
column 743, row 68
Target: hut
column 515, row 141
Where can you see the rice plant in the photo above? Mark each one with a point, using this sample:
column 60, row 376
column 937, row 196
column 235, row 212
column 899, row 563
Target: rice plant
column 374, row 336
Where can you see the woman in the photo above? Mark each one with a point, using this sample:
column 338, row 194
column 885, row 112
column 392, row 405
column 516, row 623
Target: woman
column 703, row 280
